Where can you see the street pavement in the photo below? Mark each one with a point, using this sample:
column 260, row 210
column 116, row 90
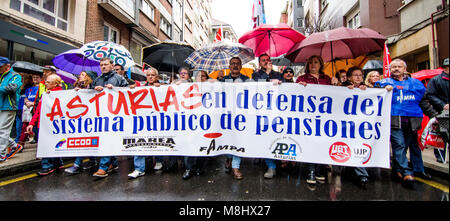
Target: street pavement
column 19, row 182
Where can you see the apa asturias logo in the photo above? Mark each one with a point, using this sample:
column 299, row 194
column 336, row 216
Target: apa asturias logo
column 60, row 143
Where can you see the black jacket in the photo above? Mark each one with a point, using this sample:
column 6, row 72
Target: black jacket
column 111, row 77
column 264, row 76
column 437, row 91
column 241, row 77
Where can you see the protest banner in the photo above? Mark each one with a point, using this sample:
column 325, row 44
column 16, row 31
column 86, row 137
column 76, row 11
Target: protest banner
column 316, row 123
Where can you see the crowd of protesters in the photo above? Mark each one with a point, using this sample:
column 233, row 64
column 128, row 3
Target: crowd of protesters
column 20, row 103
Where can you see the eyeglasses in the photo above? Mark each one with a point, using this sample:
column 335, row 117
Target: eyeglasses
column 286, row 72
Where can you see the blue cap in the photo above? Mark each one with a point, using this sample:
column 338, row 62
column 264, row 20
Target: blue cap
column 4, row 61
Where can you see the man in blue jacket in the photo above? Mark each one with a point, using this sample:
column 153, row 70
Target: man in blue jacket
column 406, row 120
column 10, row 83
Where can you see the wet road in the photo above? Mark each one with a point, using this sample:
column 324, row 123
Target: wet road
column 214, row 185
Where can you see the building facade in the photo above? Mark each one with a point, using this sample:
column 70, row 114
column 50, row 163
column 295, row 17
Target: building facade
column 36, row 31
column 227, row 31
column 139, row 23
column 417, row 30
column 293, row 15
column 423, row 37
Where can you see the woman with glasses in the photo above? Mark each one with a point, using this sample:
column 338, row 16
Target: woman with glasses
column 314, row 75
column 355, row 79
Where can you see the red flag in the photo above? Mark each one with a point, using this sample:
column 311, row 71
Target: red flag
column 386, row 62
column 218, row 35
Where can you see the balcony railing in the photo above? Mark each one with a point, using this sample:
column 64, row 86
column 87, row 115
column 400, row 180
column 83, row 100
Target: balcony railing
column 124, row 10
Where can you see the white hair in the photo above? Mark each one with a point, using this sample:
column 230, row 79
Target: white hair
column 399, row 60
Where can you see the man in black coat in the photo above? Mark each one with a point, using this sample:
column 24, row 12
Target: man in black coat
column 437, row 94
column 108, row 79
column 266, row 72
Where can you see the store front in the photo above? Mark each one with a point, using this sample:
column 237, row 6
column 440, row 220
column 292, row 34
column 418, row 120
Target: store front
column 19, row 44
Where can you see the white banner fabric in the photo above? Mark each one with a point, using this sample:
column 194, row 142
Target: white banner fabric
column 313, row 123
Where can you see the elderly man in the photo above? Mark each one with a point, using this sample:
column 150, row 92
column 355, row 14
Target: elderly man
column 234, row 162
column 139, row 161
column 406, row 119
column 48, row 165
column 108, row 79
column 235, row 71
column 10, row 83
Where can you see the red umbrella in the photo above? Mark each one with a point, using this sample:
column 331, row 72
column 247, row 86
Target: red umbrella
column 339, row 43
column 426, row 74
column 274, row 40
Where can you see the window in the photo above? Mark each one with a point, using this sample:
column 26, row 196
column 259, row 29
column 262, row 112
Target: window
column 188, row 23
column 52, row 12
column 135, row 50
column 354, row 22
column 110, row 34
column 148, row 9
column 166, row 27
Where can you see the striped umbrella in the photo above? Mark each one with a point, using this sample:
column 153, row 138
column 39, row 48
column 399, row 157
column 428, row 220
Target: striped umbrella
column 216, row 56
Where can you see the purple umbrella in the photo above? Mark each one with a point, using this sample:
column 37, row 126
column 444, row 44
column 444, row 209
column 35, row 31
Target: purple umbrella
column 66, row 77
column 87, row 58
column 73, row 62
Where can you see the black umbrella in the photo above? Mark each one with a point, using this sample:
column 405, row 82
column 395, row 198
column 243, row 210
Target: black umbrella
column 137, row 74
column 167, row 56
column 283, row 61
column 27, row 67
column 373, row 64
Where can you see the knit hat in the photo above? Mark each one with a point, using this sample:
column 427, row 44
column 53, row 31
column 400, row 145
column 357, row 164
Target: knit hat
column 92, row 74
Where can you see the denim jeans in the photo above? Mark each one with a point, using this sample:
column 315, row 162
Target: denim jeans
column 316, row 168
column 79, row 160
column 235, row 162
column 139, row 163
column 271, row 163
column 18, row 125
column 50, row 162
column 361, row 171
column 106, row 161
column 401, row 139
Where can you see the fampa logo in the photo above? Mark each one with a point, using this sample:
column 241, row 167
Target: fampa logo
column 340, row 152
column 219, row 147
